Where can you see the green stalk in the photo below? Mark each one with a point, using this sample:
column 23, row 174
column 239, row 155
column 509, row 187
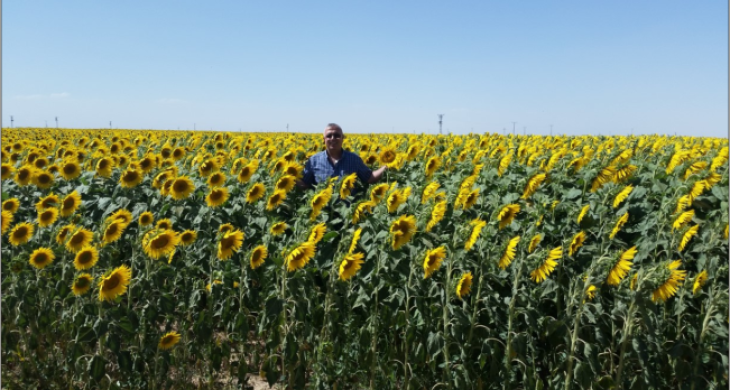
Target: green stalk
column 700, row 337
column 374, row 328
column 447, row 299
column 405, row 334
column 574, row 339
column 627, row 336
column 508, row 359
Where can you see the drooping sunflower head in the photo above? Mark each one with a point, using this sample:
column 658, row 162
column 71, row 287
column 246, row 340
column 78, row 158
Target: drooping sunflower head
column 86, row 258
column 275, row 200
column 113, row 232
column 229, row 243
column 401, row 230
column 362, row 209
column 300, row 256
column 181, row 187
column 104, row 167
column 217, row 197
column 546, row 268
column 168, row 341
column 122, row 216
column 21, row 233
column 258, row 256
column 671, row 277
column 433, row 260
column 577, row 242
column 41, row 258
column 317, row 233
column 477, row 226
column 188, row 237
column 348, row 184
column 351, row 263
column 114, row 283
column 82, row 284
column 700, row 281
column 463, row 288
column 507, row 215
column 7, row 220
column 378, row 192
column 70, row 203
column 509, row 252
column 278, row 228
column 621, row 266
column 432, row 165
column 255, row 193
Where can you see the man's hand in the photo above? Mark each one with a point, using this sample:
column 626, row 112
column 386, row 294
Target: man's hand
column 377, row 174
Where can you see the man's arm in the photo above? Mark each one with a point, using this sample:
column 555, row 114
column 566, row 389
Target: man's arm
column 377, row 174
column 307, row 179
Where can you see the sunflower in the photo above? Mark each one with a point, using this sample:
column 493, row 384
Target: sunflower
column 208, row 167
column 507, row 214
column 361, row 209
column 534, row 242
column 164, row 224
column 217, row 179
column 70, row 203
column 112, row 232
column 147, row 164
column 700, row 281
column 477, row 226
column 278, row 228
column 146, row 218
column 467, row 199
column 275, row 200
column 619, row 224
column 621, row 196
column 285, row 183
column 255, row 193
column 621, row 267
column 397, row 198
column 378, row 192
column 432, row 165
column 24, row 175
column 161, row 178
column 258, row 256
column 687, row 236
column 429, row 191
column 11, row 205
column 591, row 292
column 582, row 214
column 402, row 230
column 161, row 244
column 667, row 289
column 246, row 172
column 350, row 265
column 79, row 239
column 546, row 268
column 319, row 201
column 387, row 155
column 504, row 163
column 41, row 257
column 7, row 171
column 437, row 214
column 317, row 233
column 20, row 234
column 348, row 184
column 169, row 340
column 225, row 228
column 181, row 188
column 43, row 179
column 216, row 197
column 7, row 219
column 355, row 239
column 131, row 178
column 604, row 176
column 82, row 284
column 47, row 217
column 86, row 258
column 463, row 288
column 122, row 216
column 104, row 167
column 432, row 261
column 576, row 243
column 114, row 283
column 533, row 184
column 697, row 189
column 300, row 256
column 509, row 252
column 229, row 243
column 64, row 233
column 70, row 170
column 683, row 219
column 188, row 237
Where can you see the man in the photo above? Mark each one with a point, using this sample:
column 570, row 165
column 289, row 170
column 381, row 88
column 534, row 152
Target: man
column 334, row 161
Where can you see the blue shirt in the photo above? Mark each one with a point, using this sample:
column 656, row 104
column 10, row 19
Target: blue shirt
column 319, row 168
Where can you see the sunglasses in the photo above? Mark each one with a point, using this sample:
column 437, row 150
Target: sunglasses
column 335, row 136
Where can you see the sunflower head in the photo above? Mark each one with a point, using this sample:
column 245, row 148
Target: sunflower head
column 114, row 283
column 168, row 341
column 47, row 217
column 20, row 234
column 463, row 288
column 131, row 178
column 217, row 179
column 275, row 199
column 86, row 258
column 78, row 239
column 161, row 244
column 146, row 218
column 11, row 205
column 300, row 256
column 351, row 263
column 164, row 224
column 255, row 193
column 7, row 220
column 401, row 230
column 229, row 243
column 258, row 256
column 41, row 258
column 278, row 228
column 70, row 203
column 188, row 237
column 82, row 284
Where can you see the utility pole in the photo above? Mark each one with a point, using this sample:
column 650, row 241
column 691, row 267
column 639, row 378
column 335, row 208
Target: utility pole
column 524, row 130
column 46, row 124
column 513, row 127
column 287, row 128
column 56, row 122
column 11, row 121
column 193, row 126
column 110, row 124
column 441, row 117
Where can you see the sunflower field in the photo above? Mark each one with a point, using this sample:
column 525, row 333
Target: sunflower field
column 192, row 260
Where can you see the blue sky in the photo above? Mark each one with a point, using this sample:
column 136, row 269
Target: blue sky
column 584, row 67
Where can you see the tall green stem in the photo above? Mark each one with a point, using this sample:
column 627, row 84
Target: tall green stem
column 512, row 302
column 626, row 337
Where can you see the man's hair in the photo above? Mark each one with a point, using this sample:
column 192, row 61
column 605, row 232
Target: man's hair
column 334, row 126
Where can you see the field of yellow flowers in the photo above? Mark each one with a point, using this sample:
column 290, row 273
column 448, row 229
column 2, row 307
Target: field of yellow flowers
column 164, row 259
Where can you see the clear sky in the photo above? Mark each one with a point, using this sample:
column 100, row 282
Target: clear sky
column 583, row 67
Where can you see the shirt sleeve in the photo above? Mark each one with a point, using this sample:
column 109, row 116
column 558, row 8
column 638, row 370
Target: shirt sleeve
column 363, row 172
column 308, row 176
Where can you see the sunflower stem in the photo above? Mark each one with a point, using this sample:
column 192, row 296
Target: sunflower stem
column 626, row 337
column 508, row 356
column 574, row 337
column 406, row 380
column 447, row 300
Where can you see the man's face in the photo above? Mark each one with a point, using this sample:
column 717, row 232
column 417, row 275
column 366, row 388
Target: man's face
column 333, row 139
